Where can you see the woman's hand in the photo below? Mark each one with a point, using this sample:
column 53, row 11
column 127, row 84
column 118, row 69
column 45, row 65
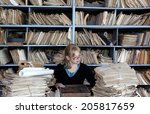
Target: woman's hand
column 59, row 85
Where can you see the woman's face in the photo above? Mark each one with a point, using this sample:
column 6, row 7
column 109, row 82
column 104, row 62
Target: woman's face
column 76, row 59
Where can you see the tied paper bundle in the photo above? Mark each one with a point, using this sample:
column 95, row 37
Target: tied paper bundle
column 28, row 87
column 35, row 71
column 33, row 82
column 115, row 80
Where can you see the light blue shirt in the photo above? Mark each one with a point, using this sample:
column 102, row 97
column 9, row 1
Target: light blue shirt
column 71, row 74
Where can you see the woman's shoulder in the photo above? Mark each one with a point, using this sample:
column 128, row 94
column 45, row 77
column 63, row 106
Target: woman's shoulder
column 60, row 66
column 86, row 68
column 83, row 65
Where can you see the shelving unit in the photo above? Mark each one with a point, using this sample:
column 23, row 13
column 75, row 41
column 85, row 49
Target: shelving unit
column 71, row 11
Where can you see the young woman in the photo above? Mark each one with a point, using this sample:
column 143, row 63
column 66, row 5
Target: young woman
column 72, row 71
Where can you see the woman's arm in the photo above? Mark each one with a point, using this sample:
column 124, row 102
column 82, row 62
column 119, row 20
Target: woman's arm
column 90, row 76
column 57, row 72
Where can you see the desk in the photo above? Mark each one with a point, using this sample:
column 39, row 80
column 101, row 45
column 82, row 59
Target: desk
column 75, row 91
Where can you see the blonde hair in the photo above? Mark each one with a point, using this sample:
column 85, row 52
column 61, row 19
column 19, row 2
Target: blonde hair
column 70, row 52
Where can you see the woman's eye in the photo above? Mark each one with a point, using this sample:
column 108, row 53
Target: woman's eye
column 74, row 58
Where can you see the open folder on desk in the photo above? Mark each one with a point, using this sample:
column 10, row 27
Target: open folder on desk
column 75, row 91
